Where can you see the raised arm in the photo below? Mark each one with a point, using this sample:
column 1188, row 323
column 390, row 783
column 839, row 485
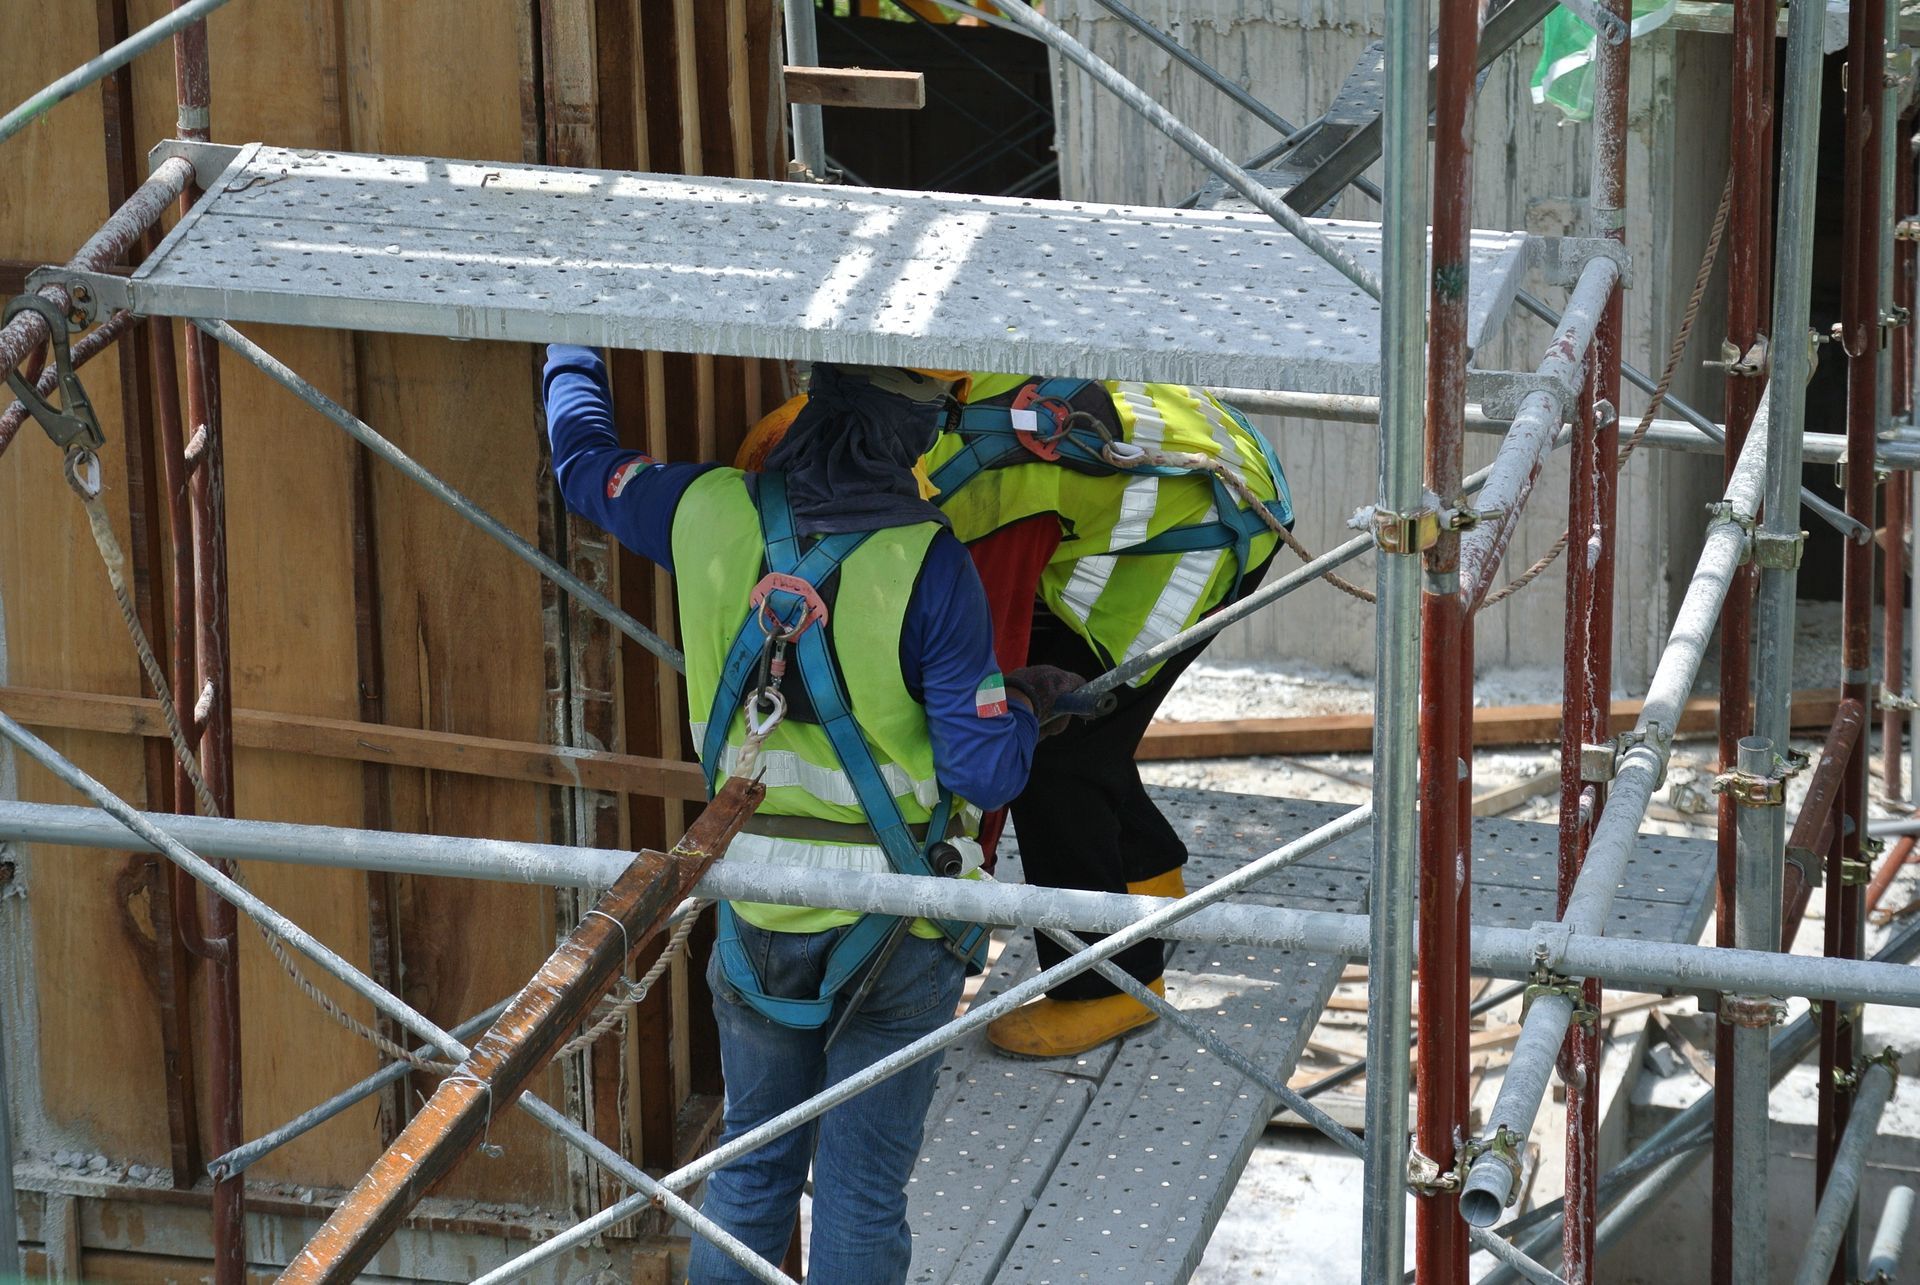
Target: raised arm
column 629, row 495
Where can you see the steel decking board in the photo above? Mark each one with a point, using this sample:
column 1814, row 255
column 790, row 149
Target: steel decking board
column 493, row 250
column 1098, row 1181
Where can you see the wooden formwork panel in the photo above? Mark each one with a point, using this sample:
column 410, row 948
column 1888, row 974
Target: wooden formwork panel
column 459, row 638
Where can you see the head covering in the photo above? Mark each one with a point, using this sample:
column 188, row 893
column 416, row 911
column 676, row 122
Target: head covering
column 849, row 455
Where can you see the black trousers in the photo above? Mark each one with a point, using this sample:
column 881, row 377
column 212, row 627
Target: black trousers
column 1085, row 821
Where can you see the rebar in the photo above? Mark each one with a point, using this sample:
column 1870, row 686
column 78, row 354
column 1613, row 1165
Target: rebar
column 99, row 68
column 1830, row 1225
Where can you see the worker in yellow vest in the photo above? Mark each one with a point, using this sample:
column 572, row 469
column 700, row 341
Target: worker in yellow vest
column 1128, row 511
column 838, row 650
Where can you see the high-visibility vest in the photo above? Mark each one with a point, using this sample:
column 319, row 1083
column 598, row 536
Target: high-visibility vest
column 1144, row 554
column 719, row 555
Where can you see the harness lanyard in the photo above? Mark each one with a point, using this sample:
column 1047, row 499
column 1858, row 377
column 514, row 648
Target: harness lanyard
column 786, row 607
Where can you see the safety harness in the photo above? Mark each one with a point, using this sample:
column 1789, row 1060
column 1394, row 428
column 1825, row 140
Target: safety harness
column 1041, row 424
column 787, row 605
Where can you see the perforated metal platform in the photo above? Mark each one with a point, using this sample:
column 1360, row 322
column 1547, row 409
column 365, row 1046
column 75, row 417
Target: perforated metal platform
column 487, row 250
column 1114, row 1167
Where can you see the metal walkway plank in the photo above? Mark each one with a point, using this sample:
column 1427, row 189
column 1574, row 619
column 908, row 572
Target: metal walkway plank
column 493, row 250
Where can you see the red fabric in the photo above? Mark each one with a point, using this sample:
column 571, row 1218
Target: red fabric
column 1010, row 562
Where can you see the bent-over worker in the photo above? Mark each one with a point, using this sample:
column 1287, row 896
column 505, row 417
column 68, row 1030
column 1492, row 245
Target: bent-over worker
column 890, row 729
column 1089, row 499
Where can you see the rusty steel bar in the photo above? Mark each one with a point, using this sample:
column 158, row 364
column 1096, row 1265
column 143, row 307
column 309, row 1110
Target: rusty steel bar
column 1813, row 828
column 1589, row 665
column 1893, row 641
column 1897, row 856
column 211, row 695
column 122, row 230
column 520, row 1042
column 1862, row 336
column 1446, row 696
column 1749, row 271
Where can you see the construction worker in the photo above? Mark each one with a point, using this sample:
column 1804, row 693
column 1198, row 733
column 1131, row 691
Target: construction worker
column 1128, row 511
column 838, row 648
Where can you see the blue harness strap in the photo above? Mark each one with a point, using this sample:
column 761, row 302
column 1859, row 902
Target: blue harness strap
column 820, row 671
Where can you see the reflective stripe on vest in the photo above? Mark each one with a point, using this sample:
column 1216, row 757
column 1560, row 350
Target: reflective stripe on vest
column 718, row 557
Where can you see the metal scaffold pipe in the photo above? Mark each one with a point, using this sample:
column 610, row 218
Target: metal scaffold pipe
column 1501, row 952
column 1890, row 1238
column 1751, row 1017
column 1155, row 924
column 360, row 984
column 1391, row 926
column 803, row 50
column 1261, row 196
column 105, row 65
column 1637, row 773
column 1872, row 1092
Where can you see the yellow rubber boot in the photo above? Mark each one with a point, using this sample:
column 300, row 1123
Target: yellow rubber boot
column 1170, row 884
column 1065, row 1027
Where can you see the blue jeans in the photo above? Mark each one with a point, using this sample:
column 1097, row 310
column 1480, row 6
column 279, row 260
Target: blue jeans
column 863, row 1151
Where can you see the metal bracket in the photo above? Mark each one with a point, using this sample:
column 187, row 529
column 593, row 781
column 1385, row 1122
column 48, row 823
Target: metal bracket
column 1561, row 259
column 1897, row 700
column 1413, row 532
column 94, row 294
column 1505, row 1147
column 1773, row 551
column 1753, row 363
column 1500, row 392
column 1900, row 316
column 1750, row 789
column 1899, row 66
column 1597, row 762
column 72, row 425
column 1551, row 937
column 1542, row 982
column 209, row 160
column 1812, row 868
column 1755, row 1012
column 1853, row 874
column 1724, row 511
column 1907, row 230
column 1426, row 1177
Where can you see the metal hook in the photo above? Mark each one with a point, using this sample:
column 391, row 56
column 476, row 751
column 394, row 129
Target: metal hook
column 72, row 425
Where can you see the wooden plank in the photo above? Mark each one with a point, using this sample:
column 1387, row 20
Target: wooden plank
column 855, row 87
column 1498, row 725
column 1508, row 797
column 480, row 756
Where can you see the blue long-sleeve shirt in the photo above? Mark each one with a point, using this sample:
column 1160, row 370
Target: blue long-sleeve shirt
column 981, row 752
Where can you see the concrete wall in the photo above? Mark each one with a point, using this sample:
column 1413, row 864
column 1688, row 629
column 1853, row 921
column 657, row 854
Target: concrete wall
column 1531, row 171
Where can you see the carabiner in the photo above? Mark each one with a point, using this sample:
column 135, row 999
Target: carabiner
column 72, row 425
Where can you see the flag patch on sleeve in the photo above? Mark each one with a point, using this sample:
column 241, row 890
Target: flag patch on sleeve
column 626, row 473
column 990, row 700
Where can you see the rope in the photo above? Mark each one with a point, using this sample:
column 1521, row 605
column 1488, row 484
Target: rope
column 1674, row 354
column 83, row 474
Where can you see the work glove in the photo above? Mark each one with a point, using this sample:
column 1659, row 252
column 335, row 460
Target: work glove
column 1041, row 686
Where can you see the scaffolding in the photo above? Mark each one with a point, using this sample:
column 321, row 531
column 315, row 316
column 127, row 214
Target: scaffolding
column 1373, row 323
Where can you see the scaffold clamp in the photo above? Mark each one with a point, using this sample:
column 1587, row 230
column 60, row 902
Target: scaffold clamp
column 1890, row 699
column 1414, row 532
column 1777, row 551
column 1426, row 1177
column 1505, row 1146
column 72, row 425
column 1754, row 790
column 1543, row 982
column 1750, row 364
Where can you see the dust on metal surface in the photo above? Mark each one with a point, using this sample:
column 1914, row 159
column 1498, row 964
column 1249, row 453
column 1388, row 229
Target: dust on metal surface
column 491, row 250
column 1124, row 1172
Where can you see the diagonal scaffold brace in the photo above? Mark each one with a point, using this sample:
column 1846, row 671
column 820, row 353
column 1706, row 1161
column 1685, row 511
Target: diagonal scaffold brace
column 521, row 1041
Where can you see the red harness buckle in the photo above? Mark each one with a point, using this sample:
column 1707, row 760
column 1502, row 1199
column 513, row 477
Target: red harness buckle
column 1045, row 445
column 814, row 611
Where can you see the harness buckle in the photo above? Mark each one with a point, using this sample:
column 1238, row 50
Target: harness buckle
column 813, row 611
column 1025, row 415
